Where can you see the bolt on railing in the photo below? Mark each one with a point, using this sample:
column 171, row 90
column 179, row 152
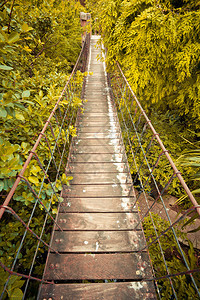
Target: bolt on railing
column 29, row 211
column 154, row 177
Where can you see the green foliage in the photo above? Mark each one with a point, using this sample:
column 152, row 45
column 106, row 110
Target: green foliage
column 183, row 285
column 38, row 46
column 13, row 291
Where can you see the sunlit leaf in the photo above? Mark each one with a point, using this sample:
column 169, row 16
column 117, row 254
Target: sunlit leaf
column 6, row 68
column 13, row 37
column 26, row 94
column 25, row 27
column 3, row 112
column 33, row 179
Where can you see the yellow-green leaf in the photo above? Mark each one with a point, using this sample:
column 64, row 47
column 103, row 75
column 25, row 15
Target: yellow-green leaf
column 26, row 28
column 13, row 37
column 33, row 179
column 19, row 116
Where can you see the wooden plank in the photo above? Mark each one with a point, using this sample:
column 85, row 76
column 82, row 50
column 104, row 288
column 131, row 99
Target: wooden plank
column 101, row 178
column 99, row 291
column 102, row 157
column 98, row 142
column 93, row 114
column 98, row 149
column 97, row 168
column 94, row 86
column 98, row 98
column 98, row 221
column 95, row 119
column 96, row 94
column 97, row 129
column 95, row 105
column 98, row 266
column 103, row 123
column 99, row 135
column 93, row 92
column 98, row 205
column 85, row 103
column 98, row 241
column 91, row 83
column 95, row 82
column 99, row 115
column 99, row 190
column 99, row 109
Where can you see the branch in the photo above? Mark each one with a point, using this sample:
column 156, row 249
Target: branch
column 10, row 16
column 3, row 3
column 46, row 49
column 43, row 49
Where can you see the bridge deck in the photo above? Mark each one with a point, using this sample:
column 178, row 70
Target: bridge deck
column 99, row 246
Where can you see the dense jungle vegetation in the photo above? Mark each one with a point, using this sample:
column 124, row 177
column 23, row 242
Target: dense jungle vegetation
column 39, row 45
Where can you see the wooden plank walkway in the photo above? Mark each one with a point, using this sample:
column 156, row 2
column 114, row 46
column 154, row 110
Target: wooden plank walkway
column 99, row 247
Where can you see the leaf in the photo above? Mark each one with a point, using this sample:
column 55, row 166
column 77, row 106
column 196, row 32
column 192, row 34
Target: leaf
column 196, row 215
column 192, row 256
column 6, row 68
column 3, row 112
column 33, row 179
column 27, row 49
column 65, row 179
column 2, row 38
column 24, row 145
column 197, row 191
column 13, row 37
column 54, row 211
column 35, row 170
column 16, row 294
column 18, row 283
column 19, row 116
column 5, row 184
column 26, row 94
column 41, row 93
column 26, row 28
column 1, row 185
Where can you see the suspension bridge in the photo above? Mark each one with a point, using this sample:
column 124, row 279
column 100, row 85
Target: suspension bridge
column 98, row 248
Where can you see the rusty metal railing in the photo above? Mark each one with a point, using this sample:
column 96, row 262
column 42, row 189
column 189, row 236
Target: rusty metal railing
column 155, row 179
column 29, row 211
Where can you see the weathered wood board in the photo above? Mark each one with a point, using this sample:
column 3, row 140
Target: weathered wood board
column 140, row 290
column 98, row 221
column 119, row 204
column 126, row 266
